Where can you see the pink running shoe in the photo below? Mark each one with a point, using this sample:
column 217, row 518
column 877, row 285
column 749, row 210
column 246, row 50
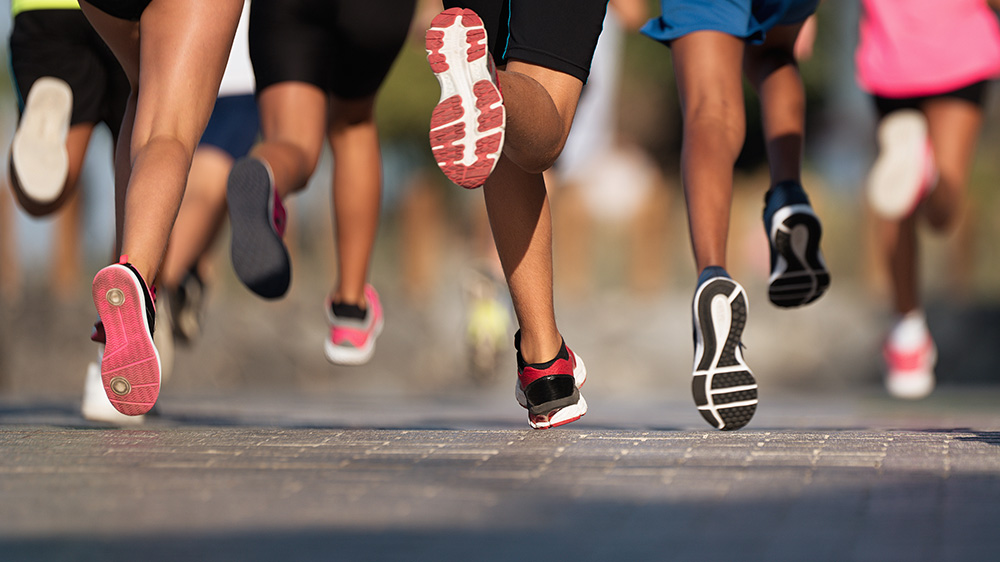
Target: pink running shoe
column 910, row 370
column 467, row 126
column 353, row 332
column 551, row 391
column 130, row 367
column 258, row 218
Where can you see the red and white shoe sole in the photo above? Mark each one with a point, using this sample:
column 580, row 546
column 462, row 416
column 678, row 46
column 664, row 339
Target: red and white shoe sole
column 467, row 126
column 130, row 367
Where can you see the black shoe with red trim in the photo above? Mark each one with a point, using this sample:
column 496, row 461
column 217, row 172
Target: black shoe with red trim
column 550, row 391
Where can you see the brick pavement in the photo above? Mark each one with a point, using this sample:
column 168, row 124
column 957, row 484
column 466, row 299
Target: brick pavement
column 816, row 478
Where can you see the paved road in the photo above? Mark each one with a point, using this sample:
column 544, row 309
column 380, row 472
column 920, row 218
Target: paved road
column 362, row 476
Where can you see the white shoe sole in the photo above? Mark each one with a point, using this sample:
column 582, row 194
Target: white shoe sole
column 897, row 179
column 39, row 160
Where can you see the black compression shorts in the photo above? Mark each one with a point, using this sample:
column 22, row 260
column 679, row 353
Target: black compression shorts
column 973, row 93
column 557, row 34
column 343, row 47
column 61, row 43
column 125, row 9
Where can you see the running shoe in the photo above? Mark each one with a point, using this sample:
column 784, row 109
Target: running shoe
column 186, row 303
column 353, row 330
column 130, row 365
column 910, row 356
column 39, row 163
column 904, row 171
column 258, row 218
column 798, row 270
column 467, row 126
column 550, row 391
column 723, row 386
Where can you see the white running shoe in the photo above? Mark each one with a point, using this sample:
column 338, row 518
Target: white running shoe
column 467, row 125
column 96, row 406
column 904, row 171
column 39, row 162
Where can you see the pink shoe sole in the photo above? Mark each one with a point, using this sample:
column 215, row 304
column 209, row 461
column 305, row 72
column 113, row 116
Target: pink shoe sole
column 467, row 126
column 130, row 367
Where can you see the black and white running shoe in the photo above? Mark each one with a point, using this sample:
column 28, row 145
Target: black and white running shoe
column 723, row 386
column 798, row 271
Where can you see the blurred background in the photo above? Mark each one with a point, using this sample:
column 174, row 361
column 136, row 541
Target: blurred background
column 624, row 272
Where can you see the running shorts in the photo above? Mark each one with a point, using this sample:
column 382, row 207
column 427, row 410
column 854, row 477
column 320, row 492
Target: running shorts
column 746, row 19
column 233, row 126
column 973, row 93
column 125, row 9
column 557, row 34
column 343, row 47
column 61, row 43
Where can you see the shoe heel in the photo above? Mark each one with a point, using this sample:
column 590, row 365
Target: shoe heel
column 550, row 393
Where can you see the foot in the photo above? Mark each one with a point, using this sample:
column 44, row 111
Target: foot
column 258, row 217
column 550, row 391
column 130, row 365
column 39, row 163
column 910, row 355
column 353, row 330
column 723, row 386
column 798, row 271
column 467, row 126
column 904, row 172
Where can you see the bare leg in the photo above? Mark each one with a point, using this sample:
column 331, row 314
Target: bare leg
column 357, row 193
column 772, row 70
column 293, row 118
column 953, row 126
column 709, row 80
column 182, row 48
column 540, row 107
column 201, row 214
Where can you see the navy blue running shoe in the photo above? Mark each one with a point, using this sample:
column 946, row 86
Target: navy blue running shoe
column 722, row 385
column 798, row 270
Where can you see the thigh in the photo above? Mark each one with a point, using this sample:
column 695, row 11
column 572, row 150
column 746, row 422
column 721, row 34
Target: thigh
column 557, row 34
column 294, row 113
column 185, row 45
column 953, row 126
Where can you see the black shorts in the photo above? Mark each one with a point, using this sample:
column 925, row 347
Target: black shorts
column 973, row 93
column 343, row 47
column 125, row 9
column 61, row 43
column 557, row 34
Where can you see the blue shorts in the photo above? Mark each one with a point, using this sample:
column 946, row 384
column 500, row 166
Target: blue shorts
column 233, row 126
column 746, row 19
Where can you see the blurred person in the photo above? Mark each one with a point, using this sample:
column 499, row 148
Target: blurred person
column 503, row 142
column 174, row 53
column 926, row 64
column 318, row 67
column 601, row 176
column 67, row 82
column 713, row 45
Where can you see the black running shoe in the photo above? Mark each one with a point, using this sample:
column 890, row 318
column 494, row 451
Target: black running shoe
column 723, row 386
column 798, row 270
column 550, row 391
column 257, row 216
